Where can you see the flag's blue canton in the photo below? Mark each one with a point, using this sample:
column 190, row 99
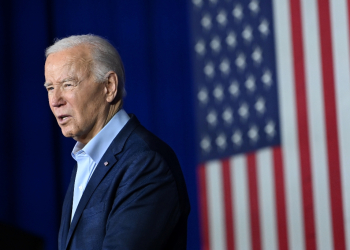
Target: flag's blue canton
column 235, row 75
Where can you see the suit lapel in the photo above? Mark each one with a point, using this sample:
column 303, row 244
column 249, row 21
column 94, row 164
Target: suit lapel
column 100, row 172
column 66, row 211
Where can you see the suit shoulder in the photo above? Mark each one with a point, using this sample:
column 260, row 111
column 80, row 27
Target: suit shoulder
column 142, row 140
column 142, row 144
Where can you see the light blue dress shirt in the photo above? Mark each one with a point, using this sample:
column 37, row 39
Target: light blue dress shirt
column 89, row 155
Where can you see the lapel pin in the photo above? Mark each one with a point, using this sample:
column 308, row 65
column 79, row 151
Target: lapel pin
column 106, row 163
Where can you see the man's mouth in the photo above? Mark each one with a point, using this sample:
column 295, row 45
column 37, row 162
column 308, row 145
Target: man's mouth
column 63, row 118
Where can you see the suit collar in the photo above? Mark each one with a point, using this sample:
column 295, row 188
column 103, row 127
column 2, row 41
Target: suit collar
column 119, row 141
column 101, row 170
column 98, row 145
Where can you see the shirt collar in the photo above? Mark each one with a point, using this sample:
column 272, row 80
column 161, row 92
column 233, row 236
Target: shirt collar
column 99, row 144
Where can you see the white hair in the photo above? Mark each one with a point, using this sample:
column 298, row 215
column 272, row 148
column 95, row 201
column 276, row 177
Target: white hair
column 105, row 57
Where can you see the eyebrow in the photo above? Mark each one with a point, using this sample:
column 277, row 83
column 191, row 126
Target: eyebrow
column 46, row 84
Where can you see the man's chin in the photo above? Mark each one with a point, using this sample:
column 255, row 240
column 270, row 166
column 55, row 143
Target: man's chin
column 77, row 135
column 67, row 133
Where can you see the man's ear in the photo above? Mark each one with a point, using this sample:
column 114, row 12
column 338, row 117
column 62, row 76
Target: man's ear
column 111, row 85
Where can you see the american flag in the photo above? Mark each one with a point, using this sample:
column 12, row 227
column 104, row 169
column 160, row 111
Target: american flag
column 272, row 82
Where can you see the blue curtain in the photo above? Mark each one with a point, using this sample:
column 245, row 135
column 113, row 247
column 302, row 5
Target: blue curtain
column 153, row 38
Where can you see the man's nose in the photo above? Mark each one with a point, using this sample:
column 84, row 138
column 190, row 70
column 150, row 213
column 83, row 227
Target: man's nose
column 56, row 98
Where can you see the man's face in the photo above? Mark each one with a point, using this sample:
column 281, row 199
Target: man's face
column 76, row 100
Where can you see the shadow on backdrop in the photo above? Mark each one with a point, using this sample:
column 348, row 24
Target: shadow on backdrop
column 12, row 238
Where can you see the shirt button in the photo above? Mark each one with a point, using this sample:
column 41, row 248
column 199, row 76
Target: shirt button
column 81, row 187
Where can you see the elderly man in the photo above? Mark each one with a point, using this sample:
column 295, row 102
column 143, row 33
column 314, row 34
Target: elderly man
column 127, row 190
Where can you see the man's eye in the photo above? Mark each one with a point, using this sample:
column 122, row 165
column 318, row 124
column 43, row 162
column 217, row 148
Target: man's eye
column 49, row 88
column 67, row 85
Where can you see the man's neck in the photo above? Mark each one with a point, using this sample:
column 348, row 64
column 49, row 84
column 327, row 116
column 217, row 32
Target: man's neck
column 114, row 108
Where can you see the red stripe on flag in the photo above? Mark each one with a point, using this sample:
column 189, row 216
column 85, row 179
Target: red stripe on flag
column 331, row 125
column 203, row 207
column 303, row 127
column 228, row 204
column 280, row 199
column 253, row 202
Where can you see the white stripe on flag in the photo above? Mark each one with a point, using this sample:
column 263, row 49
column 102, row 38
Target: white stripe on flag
column 216, row 219
column 289, row 130
column 340, row 35
column 317, row 130
column 266, row 190
column 240, row 193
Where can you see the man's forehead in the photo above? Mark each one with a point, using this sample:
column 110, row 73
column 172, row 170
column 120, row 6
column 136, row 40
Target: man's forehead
column 70, row 60
column 59, row 67
column 69, row 56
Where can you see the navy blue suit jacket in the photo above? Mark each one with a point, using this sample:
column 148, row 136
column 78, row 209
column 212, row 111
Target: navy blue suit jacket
column 138, row 201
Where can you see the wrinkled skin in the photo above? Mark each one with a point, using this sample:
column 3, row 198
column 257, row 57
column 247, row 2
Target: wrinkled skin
column 81, row 105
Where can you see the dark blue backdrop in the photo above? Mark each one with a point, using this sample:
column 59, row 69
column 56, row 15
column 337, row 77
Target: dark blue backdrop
column 153, row 38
